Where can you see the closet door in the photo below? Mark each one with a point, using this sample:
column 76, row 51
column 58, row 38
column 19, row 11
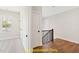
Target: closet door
column 36, row 26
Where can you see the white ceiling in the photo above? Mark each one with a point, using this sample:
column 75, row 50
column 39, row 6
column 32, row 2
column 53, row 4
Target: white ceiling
column 50, row 10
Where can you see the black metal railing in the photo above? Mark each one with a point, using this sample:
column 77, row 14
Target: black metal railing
column 47, row 36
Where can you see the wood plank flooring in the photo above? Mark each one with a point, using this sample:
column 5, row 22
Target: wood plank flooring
column 58, row 46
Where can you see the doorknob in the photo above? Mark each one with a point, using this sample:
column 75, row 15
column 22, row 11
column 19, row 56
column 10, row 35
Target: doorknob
column 38, row 30
column 26, row 35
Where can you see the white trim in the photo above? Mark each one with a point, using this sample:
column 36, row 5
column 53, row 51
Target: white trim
column 68, row 40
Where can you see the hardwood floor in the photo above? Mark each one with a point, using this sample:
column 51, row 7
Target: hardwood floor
column 58, row 46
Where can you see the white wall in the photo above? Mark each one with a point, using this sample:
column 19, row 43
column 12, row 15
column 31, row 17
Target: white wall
column 52, row 10
column 65, row 25
column 11, row 8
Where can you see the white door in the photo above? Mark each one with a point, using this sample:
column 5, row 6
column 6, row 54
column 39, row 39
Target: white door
column 36, row 26
column 25, row 17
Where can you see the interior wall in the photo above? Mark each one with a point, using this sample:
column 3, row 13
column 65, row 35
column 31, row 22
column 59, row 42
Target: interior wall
column 52, row 10
column 65, row 25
